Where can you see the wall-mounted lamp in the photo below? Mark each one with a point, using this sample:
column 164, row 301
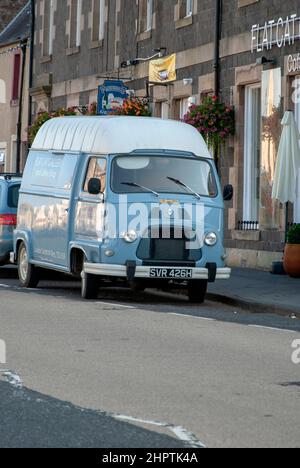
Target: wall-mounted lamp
column 187, row 81
column 265, row 61
column 159, row 53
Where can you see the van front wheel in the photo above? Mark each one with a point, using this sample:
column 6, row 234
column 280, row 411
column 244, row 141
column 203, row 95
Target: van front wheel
column 28, row 274
column 197, row 290
column 89, row 286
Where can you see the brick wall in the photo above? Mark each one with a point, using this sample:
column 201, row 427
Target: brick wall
column 8, row 10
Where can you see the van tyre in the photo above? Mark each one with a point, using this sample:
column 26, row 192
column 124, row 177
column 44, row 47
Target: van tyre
column 89, row 286
column 28, row 274
column 197, row 291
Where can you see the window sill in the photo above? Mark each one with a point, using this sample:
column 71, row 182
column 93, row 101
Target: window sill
column 184, row 22
column 46, row 59
column 144, row 36
column 253, row 236
column 97, row 44
column 244, row 3
column 73, row 50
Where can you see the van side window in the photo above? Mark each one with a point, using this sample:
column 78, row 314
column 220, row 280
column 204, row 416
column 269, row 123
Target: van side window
column 96, row 170
column 13, row 196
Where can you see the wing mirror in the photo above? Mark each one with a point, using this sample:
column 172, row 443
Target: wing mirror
column 228, row 193
column 94, row 186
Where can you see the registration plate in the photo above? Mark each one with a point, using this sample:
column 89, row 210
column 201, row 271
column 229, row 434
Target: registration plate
column 171, row 273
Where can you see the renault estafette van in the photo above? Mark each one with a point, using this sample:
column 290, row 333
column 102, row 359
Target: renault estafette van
column 121, row 198
column 9, row 195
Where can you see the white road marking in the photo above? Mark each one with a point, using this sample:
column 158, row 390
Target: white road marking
column 272, row 328
column 115, row 305
column 4, row 286
column 180, row 432
column 192, row 316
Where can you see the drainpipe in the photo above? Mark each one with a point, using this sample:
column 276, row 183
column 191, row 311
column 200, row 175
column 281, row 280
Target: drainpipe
column 216, row 66
column 32, row 28
column 19, row 124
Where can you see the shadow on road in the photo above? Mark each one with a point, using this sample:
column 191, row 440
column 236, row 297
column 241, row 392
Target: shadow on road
column 32, row 420
column 8, row 273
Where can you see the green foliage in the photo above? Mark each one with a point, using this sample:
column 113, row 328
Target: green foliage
column 294, row 235
column 213, row 119
column 45, row 116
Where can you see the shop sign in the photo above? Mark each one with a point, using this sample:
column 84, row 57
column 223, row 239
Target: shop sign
column 280, row 33
column 163, row 70
column 111, row 96
column 293, row 63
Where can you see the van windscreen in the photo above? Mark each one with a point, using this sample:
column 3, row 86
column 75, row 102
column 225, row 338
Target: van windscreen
column 163, row 174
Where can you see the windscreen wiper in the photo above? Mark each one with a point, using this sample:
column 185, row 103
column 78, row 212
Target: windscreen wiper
column 133, row 184
column 182, row 184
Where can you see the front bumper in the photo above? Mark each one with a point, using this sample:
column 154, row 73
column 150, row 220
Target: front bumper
column 143, row 272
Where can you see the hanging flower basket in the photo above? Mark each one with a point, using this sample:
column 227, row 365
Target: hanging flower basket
column 214, row 120
column 138, row 107
column 45, row 116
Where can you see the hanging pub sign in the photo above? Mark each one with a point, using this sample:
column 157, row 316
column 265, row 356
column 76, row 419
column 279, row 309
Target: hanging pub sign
column 111, row 96
column 275, row 33
column 163, row 70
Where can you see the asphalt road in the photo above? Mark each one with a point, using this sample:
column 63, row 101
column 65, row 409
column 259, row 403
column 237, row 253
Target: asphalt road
column 179, row 375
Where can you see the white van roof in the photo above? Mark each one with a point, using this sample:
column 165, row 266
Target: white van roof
column 114, row 134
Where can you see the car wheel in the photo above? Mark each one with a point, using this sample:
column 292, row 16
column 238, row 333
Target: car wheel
column 89, row 286
column 28, row 274
column 197, row 290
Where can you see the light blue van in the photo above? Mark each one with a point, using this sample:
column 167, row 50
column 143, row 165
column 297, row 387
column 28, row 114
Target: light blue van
column 122, row 198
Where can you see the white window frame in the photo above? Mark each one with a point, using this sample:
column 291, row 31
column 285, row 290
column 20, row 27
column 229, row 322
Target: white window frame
column 189, row 8
column 101, row 20
column 78, row 23
column 165, row 110
column 149, row 15
column 185, row 104
column 250, row 208
column 51, row 27
column 2, row 156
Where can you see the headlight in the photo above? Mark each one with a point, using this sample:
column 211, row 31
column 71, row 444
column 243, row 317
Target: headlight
column 130, row 236
column 211, row 239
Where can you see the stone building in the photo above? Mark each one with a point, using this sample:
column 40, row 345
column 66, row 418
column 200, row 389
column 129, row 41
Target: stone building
column 80, row 43
column 12, row 82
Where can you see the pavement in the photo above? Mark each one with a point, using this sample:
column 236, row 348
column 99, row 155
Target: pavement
column 259, row 292
column 178, row 374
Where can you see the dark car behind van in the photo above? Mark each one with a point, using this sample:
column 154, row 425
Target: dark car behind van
column 9, row 196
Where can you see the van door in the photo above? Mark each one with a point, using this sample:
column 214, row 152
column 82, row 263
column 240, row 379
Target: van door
column 48, row 186
column 89, row 219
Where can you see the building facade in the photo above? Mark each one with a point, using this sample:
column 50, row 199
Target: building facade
column 14, row 89
column 78, row 44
